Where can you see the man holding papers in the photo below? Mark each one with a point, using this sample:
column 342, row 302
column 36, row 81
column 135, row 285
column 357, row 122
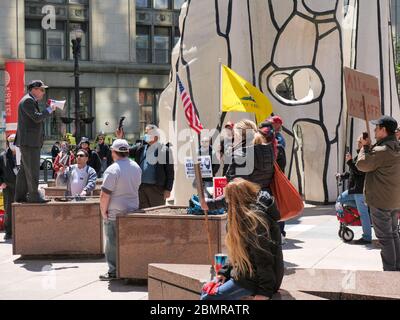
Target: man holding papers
column 30, row 136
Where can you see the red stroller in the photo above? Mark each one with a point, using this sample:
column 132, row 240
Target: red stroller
column 347, row 216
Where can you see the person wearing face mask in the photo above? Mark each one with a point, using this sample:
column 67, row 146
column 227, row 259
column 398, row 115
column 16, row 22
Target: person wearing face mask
column 156, row 161
column 207, row 150
column 354, row 196
column 8, row 178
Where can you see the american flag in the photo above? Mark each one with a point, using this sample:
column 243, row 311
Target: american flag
column 189, row 109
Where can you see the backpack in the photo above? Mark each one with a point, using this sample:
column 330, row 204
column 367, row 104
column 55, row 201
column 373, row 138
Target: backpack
column 195, row 208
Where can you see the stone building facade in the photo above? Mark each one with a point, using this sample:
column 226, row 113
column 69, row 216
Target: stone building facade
column 125, row 62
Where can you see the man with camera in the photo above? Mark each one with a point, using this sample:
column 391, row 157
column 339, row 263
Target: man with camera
column 381, row 163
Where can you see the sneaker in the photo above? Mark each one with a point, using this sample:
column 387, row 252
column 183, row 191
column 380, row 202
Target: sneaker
column 7, row 237
column 107, row 277
column 283, row 240
column 361, row 241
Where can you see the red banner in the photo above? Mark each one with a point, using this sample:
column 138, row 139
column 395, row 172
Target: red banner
column 14, row 90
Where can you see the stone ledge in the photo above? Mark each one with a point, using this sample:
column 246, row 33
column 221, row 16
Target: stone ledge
column 184, row 282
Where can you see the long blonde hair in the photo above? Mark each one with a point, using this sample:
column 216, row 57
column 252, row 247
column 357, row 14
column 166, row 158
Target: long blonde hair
column 243, row 222
column 244, row 130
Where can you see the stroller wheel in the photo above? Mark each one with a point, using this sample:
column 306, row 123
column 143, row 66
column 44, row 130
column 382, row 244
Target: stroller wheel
column 348, row 235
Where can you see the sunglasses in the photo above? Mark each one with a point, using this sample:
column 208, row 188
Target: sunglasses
column 81, row 156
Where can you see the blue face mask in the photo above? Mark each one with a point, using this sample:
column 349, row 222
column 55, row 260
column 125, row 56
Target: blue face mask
column 147, row 138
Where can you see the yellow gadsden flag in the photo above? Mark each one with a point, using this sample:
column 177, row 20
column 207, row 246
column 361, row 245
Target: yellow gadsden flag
column 239, row 95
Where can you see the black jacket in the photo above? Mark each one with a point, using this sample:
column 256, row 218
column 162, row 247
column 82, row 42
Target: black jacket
column 94, row 161
column 267, row 263
column 356, row 178
column 261, row 173
column 103, row 150
column 30, row 132
column 281, row 158
column 54, row 152
column 7, row 165
column 165, row 171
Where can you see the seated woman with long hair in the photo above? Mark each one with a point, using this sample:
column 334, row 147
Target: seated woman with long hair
column 253, row 240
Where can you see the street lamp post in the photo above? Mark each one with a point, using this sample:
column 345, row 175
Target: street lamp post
column 76, row 38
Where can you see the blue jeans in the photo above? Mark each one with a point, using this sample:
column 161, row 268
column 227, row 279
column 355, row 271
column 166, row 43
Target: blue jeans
column 110, row 228
column 230, row 290
column 358, row 201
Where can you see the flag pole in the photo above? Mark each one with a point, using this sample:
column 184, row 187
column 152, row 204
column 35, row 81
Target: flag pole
column 221, row 119
column 200, row 191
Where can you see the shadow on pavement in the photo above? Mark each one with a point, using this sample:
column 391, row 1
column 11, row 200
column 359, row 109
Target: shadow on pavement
column 126, row 286
column 291, row 244
column 35, row 265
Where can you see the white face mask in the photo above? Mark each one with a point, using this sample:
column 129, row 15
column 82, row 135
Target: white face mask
column 12, row 147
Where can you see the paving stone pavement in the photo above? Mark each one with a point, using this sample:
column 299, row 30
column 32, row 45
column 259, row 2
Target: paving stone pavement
column 312, row 242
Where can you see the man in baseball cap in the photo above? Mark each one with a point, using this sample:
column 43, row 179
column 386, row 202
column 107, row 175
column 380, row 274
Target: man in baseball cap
column 120, row 145
column 30, row 136
column 119, row 196
column 36, row 84
column 381, row 163
column 386, row 122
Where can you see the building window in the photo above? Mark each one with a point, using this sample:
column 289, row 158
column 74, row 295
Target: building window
column 156, row 31
column 162, row 45
column 161, row 4
column 33, row 44
column 55, row 44
column 142, row 3
column 143, row 48
column 148, row 111
column 154, row 44
column 62, row 122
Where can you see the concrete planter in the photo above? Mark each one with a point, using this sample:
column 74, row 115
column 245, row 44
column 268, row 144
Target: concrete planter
column 57, row 228
column 60, row 191
column 165, row 235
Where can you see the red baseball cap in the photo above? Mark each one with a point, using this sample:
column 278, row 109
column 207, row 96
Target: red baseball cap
column 276, row 120
column 229, row 124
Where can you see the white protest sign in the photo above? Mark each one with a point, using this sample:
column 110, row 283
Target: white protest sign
column 205, row 166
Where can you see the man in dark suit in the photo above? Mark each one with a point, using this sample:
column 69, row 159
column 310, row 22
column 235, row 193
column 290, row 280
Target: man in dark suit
column 30, row 136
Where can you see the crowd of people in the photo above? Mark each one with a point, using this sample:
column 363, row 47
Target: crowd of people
column 246, row 157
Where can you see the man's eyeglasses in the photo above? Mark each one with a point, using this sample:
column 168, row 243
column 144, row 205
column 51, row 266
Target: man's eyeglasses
column 81, row 156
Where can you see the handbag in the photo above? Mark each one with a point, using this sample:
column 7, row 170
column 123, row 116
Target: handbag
column 288, row 199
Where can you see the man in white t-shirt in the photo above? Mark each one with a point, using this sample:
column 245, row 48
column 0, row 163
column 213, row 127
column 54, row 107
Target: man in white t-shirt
column 119, row 195
column 80, row 178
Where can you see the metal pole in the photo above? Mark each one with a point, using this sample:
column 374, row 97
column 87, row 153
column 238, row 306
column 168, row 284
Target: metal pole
column 76, row 52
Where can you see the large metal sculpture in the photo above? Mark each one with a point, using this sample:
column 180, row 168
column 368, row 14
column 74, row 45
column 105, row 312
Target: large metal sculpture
column 294, row 51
